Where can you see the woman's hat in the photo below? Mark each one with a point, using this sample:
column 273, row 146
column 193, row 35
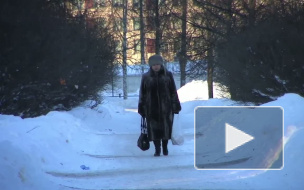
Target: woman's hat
column 155, row 60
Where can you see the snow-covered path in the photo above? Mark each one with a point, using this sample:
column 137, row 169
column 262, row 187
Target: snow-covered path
column 116, row 162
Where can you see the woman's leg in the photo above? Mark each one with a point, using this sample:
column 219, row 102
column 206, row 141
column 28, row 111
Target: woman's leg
column 165, row 147
column 157, row 147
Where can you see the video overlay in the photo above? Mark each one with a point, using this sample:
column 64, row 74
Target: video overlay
column 238, row 137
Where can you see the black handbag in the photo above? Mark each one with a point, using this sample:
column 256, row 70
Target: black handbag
column 143, row 140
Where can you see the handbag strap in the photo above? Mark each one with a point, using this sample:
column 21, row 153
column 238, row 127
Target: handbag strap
column 143, row 126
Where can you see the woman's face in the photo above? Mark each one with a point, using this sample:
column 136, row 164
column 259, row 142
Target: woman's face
column 156, row 68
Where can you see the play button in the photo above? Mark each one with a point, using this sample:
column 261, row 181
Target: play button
column 235, row 138
column 238, row 137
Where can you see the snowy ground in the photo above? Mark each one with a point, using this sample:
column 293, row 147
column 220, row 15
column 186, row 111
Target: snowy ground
column 96, row 149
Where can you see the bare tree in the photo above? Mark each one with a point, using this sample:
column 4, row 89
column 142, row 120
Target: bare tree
column 216, row 20
column 183, row 52
column 158, row 34
column 124, row 49
column 142, row 34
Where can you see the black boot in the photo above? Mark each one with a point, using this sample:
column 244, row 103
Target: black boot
column 157, row 147
column 165, row 147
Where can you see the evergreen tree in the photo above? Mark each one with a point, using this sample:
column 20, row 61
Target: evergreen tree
column 265, row 61
column 49, row 60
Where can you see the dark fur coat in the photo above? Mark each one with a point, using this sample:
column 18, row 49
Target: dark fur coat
column 158, row 101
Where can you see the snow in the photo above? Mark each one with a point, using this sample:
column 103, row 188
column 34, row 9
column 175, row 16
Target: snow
column 201, row 93
column 96, row 149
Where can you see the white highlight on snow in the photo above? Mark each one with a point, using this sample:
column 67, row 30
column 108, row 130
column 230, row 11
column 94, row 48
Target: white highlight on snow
column 198, row 90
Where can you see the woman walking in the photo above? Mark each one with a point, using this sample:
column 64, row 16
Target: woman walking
column 158, row 102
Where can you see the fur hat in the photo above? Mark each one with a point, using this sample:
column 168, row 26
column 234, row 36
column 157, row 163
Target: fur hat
column 155, row 60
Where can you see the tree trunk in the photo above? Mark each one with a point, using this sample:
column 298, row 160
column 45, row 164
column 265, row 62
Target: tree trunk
column 157, row 28
column 124, row 50
column 210, row 59
column 142, row 36
column 183, row 53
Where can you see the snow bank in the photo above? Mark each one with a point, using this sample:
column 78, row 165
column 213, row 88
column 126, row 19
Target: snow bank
column 21, row 170
column 31, row 146
column 293, row 105
column 198, row 90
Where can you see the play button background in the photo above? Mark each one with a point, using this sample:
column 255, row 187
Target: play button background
column 265, row 124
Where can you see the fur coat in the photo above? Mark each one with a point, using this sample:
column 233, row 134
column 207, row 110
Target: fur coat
column 158, row 101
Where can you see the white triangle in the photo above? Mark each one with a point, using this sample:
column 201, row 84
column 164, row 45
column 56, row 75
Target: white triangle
column 235, row 138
